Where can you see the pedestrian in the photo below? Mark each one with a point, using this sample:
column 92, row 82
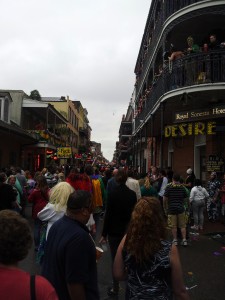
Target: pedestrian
column 15, row 242
column 146, row 260
column 162, row 183
column 13, row 181
column 7, row 194
column 198, row 199
column 189, row 181
column 147, row 189
column 212, row 188
column 112, row 184
column 121, row 202
column 56, row 207
column 39, row 198
column 70, row 254
column 97, row 187
column 173, row 203
column 133, row 184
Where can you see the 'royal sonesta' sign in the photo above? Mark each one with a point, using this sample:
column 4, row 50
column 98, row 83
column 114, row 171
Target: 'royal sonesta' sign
column 188, row 116
column 186, row 129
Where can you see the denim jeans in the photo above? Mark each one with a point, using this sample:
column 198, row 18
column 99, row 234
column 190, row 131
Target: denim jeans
column 198, row 209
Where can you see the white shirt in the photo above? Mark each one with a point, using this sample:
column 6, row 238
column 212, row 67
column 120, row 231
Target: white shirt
column 198, row 193
column 163, row 186
column 48, row 214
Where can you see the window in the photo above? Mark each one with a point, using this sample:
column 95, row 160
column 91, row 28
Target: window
column 4, row 109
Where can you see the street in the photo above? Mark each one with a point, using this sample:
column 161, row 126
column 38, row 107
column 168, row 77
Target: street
column 203, row 263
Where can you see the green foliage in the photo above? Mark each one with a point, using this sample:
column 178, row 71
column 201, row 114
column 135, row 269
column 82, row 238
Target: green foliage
column 35, row 95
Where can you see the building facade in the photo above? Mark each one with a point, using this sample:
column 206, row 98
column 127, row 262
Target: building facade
column 179, row 104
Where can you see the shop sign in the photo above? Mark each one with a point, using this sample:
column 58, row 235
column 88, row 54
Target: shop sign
column 215, row 163
column 207, row 113
column 64, row 152
column 187, row 129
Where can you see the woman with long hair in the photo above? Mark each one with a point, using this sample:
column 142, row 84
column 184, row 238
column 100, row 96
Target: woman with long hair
column 147, row 189
column 56, row 207
column 144, row 258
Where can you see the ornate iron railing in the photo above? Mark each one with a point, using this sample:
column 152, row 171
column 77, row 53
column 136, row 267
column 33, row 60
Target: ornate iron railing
column 191, row 70
column 169, row 8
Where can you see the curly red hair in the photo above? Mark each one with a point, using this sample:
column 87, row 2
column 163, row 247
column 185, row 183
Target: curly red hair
column 146, row 229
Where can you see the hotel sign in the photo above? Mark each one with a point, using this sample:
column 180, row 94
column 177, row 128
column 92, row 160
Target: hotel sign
column 187, row 129
column 207, row 113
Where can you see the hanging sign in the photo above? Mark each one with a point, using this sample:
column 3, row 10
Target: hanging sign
column 200, row 114
column 215, row 163
column 64, row 152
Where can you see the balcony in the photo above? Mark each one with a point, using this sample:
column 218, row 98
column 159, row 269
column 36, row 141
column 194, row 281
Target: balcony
column 159, row 15
column 192, row 70
column 46, row 136
column 83, row 131
column 125, row 129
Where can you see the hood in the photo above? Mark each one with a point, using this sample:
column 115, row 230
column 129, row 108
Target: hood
column 199, row 188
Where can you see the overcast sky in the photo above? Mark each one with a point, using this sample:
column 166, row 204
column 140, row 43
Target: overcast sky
column 86, row 49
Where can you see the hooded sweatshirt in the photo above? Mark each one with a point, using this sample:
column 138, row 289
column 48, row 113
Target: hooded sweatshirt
column 198, row 193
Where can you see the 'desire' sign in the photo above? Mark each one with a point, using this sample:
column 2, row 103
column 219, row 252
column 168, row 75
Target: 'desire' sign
column 64, row 152
column 186, row 129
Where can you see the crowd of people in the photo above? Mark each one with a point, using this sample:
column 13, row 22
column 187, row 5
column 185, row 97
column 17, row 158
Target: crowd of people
column 135, row 210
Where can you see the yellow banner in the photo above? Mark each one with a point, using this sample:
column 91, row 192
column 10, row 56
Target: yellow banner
column 64, row 152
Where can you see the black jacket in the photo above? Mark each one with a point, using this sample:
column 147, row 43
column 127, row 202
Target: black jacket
column 121, row 202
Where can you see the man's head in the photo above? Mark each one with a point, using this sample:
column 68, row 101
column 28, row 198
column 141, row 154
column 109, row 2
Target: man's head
column 3, row 177
column 176, row 178
column 213, row 175
column 115, row 171
column 15, row 237
column 80, row 206
column 212, row 38
column 121, row 176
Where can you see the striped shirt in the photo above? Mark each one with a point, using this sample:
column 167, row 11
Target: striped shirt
column 176, row 193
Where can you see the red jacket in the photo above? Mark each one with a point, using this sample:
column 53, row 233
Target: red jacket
column 39, row 201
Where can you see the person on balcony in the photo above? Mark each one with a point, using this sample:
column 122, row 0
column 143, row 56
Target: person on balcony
column 192, row 48
column 191, row 62
column 175, row 54
column 215, row 59
column 213, row 43
column 175, row 70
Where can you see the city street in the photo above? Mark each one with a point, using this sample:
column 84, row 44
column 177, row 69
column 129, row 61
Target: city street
column 203, row 263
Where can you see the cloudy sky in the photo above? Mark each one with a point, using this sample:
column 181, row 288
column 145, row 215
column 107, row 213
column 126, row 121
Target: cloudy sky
column 86, row 49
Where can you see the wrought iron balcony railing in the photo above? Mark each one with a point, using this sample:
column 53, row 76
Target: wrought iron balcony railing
column 191, row 70
column 170, row 7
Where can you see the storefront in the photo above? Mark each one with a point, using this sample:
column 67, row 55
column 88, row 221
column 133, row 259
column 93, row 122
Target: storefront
column 196, row 140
